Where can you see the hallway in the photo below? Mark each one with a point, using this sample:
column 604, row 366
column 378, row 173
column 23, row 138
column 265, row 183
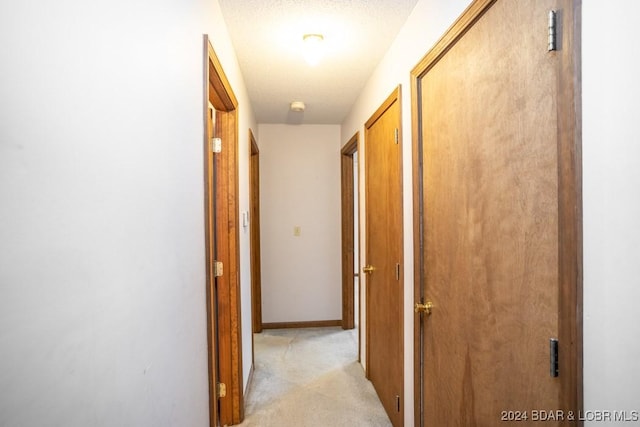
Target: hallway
column 310, row 377
column 103, row 256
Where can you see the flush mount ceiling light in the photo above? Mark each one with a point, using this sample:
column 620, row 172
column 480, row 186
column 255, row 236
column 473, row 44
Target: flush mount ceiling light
column 297, row 106
column 313, row 48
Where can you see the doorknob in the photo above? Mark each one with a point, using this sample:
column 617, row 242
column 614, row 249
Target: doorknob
column 368, row 269
column 423, row 308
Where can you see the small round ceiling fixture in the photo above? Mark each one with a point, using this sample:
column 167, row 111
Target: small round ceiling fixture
column 313, row 49
column 297, row 106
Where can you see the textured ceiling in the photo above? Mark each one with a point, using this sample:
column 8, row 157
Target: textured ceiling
column 267, row 37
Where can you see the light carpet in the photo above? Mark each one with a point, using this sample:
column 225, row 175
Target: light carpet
column 310, row 377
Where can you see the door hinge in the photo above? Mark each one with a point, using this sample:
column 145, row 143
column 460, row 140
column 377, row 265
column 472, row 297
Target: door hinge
column 215, row 145
column 397, row 403
column 552, row 45
column 217, row 268
column 395, row 136
column 553, row 357
column 397, row 271
column 221, row 390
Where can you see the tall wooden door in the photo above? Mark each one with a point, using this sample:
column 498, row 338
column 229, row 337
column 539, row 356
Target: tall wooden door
column 493, row 238
column 384, row 281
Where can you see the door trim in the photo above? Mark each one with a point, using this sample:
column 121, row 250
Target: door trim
column 254, row 208
column 348, row 231
column 228, row 354
column 570, row 196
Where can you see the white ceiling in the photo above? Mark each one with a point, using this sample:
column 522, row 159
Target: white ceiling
column 267, row 37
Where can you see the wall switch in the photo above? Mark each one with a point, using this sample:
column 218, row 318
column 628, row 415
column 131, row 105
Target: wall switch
column 296, row 231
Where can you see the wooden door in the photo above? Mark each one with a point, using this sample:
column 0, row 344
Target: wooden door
column 384, row 281
column 493, row 236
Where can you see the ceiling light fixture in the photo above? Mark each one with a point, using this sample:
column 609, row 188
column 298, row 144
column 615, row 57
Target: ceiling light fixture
column 313, row 49
column 297, row 106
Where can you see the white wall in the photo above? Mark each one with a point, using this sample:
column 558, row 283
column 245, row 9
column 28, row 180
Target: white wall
column 102, row 267
column 611, row 196
column 300, row 186
column 428, row 21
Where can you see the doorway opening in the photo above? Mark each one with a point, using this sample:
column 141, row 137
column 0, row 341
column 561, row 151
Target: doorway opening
column 254, row 212
column 226, row 405
column 350, row 234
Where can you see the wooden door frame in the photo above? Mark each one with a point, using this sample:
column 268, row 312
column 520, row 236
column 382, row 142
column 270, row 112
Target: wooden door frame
column 228, row 354
column 348, row 231
column 569, row 194
column 254, row 208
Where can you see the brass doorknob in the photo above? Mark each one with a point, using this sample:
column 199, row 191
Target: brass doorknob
column 423, row 308
column 368, row 269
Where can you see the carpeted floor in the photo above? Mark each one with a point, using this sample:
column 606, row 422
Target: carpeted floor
column 310, row 377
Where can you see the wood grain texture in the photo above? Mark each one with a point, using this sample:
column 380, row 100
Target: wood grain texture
column 490, row 182
column 348, row 230
column 223, row 284
column 254, row 219
column 384, row 251
column 497, row 227
column 570, row 204
column 452, row 35
column 220, row 93
column 233, row 270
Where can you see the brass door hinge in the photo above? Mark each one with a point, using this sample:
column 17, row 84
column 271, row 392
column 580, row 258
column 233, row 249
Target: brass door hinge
column 215, row 145
column 221, row 390
column 217, row 268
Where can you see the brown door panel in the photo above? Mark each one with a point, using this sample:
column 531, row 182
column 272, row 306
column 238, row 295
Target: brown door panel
column 490, row 200
column 384, row 252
